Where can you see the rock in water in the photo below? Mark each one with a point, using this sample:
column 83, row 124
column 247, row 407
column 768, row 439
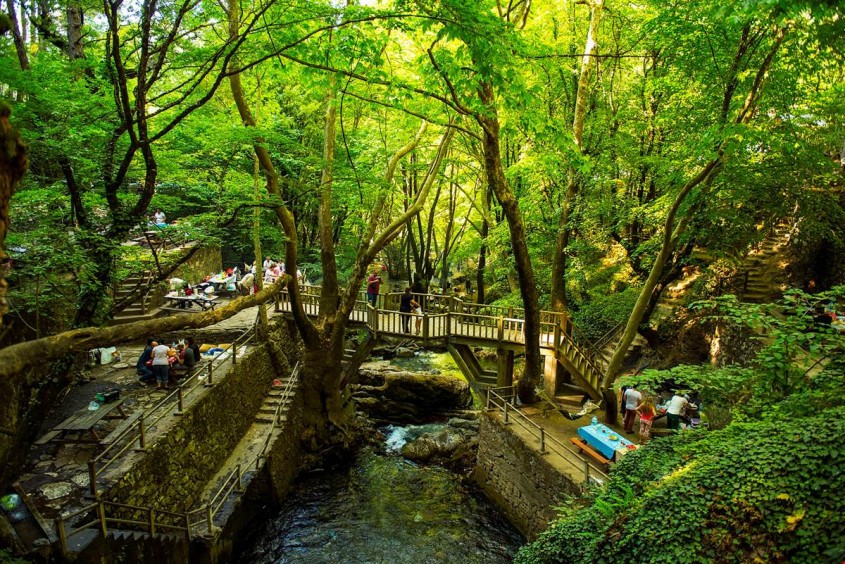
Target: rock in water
column 449, row 446
column 409, row 397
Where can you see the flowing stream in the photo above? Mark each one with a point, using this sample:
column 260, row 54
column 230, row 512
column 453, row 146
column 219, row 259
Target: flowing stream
column 384, row 508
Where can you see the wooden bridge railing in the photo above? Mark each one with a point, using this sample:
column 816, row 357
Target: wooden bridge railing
column 449, row 317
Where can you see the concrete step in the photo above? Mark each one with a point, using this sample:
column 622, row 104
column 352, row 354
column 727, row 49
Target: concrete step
column 122, row 318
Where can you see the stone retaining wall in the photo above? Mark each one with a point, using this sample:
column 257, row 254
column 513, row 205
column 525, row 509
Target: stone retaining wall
column 518, row 479
column 174, row 471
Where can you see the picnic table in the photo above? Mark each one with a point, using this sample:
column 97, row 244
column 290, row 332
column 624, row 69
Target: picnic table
column 185, row 304
column 606, row 441
column 79, row 427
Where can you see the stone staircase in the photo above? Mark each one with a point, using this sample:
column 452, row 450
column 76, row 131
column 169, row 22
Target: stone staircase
column 276, row 403
column 145, row 308
column 762, row 270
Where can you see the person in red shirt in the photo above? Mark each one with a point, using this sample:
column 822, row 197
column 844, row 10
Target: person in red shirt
column 373, row 284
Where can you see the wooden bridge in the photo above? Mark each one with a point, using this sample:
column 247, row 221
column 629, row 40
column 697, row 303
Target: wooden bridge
column 461, row 326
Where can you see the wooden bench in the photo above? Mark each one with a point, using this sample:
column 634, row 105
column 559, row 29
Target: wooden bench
column 122, row 426
column 584, row 448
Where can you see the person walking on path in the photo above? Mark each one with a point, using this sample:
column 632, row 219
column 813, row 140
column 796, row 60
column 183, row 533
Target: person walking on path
column 632, row 401
column 373, row 285
column 647, row 412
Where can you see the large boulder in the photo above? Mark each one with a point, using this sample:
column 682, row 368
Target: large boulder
column 397, row 396
column 453, row 445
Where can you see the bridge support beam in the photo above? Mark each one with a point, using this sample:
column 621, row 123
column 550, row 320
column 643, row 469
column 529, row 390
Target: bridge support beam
column 504, row 374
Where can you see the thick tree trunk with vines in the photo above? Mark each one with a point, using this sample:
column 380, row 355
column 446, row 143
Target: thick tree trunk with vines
column 13, row 165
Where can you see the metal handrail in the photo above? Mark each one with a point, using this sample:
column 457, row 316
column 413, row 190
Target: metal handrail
column 286, row 393
column 545, row 441
column 163, row 407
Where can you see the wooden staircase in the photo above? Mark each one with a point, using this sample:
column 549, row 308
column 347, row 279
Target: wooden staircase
column 466, row 360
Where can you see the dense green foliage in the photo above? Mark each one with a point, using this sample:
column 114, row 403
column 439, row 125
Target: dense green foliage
column 141, row 114
column 757, row 491
column 761, row 485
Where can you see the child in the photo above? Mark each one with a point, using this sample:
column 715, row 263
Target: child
column 647, row 412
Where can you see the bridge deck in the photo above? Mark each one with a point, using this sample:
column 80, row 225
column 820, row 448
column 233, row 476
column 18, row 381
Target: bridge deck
column 451, row 320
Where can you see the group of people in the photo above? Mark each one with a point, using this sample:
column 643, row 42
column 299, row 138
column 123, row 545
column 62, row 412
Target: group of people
column 408, row 306
column 634, row 403
column 163, row 364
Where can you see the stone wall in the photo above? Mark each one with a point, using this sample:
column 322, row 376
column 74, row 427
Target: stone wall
column 204, row 262
column 518, row 479
column 173, row 472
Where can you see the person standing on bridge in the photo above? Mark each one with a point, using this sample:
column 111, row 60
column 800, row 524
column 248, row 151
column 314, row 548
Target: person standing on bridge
column 407, row 304
column 373, row 285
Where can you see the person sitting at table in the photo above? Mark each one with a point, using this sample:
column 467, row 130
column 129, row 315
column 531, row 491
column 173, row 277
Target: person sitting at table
column 647, row 412
column 159, row 218
column 161, row 365
column 677, row 405
column 267, row 264
column 145, row 371
column 185, row 361
column 194, row 347
column 632, row 399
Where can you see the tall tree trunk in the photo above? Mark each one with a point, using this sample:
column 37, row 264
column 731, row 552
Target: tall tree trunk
column 558, row 297
column 13, row 165
column 20, row 40
column 256, row 244
column 329, row 292
column 489, row 121
column 74, row 31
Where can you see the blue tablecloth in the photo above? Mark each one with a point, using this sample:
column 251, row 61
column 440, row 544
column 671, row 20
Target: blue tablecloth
column 598, row 437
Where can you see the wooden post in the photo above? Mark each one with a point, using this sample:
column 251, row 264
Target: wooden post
column 448, row 324
column 152, row 521
column 504, row 372
column 557, row 334
column 505, row 407
column 277, row 307
column 187, row 526
column 500, row 323
column 101, row 509
column 425, row 327
column 542, row 441
column 92, row 477
column 142, row 439
column 240, row 480
column 210, row 373
column 180, row 400
column 209, row 518
column 60, row 531
column 235, row 352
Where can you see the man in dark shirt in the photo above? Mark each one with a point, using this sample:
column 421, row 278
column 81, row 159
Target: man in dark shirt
column 406, row 306
column 145, row 373
column 194, row 347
